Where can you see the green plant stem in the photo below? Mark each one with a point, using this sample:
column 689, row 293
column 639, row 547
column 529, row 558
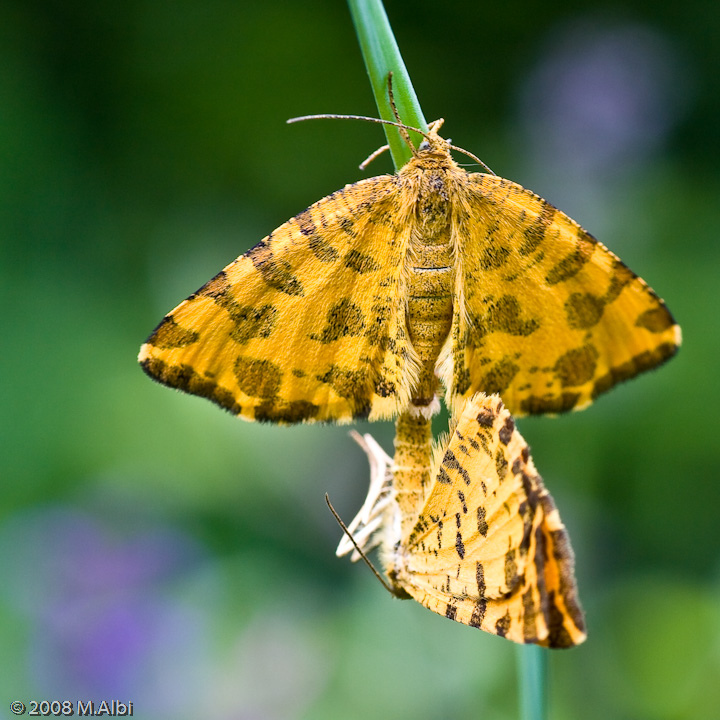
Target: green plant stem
column 382, row 56
column 532, row 672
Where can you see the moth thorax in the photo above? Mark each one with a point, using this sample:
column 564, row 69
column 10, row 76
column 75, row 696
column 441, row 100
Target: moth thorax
column 433, row 208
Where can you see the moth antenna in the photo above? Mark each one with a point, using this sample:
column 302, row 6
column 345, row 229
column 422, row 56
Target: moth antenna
column 391, row 98
column 333, row 116
column 402, row 128
column 474, row 157
column 373, row 155
column 360, row 552
column 433, row 126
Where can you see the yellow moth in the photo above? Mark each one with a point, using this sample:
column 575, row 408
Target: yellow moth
column 485, row 545
column 364, row 304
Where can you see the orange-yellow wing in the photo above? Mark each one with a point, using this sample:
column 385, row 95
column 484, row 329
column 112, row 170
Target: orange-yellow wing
column 308, row 325
column 545, row 314
column 488, row 548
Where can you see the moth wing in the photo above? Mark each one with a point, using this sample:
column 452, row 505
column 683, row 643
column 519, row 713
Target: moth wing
column 489, row 549
column 308, row 325
column 545, row 315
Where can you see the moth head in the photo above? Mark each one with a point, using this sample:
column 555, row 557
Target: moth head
column 432, row 142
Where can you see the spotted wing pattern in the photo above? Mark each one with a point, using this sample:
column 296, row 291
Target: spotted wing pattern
column 309, row 325
column 488, row 548
column 353, row 308
column 545, row 315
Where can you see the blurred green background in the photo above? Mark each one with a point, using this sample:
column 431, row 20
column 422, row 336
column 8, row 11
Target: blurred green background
column 157, row 550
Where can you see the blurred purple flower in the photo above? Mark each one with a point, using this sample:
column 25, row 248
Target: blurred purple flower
column 602, row 95
column 98, row 602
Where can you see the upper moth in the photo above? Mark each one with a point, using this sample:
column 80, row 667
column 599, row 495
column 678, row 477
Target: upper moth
column 360, row 305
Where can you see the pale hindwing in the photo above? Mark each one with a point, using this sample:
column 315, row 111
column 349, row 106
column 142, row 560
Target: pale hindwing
column 489, row 549
column 309, row 325
column 545, row 315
